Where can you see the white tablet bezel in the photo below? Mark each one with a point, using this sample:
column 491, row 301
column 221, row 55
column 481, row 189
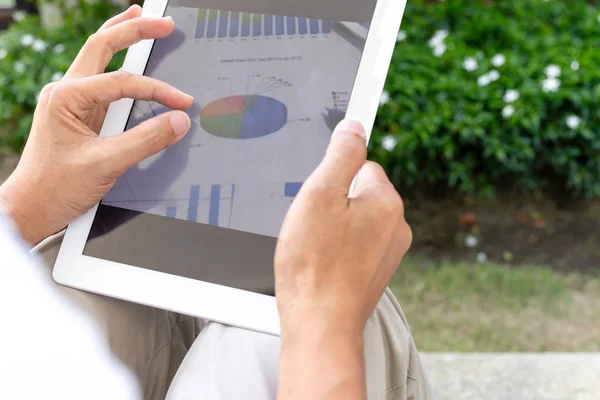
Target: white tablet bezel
column 187, row 296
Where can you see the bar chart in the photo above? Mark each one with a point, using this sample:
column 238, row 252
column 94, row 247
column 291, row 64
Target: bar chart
column 214, row 24
column 214, row 204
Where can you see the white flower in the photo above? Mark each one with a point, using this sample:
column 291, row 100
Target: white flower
column 488, row 78
column 3, row 53
column 599, row 19
column 470, row 64
column 508, row 111
column 484, row 80
column 471, row 241
column 57, row 76
column 401, row 36
column 439, row 51
column 573, row 121
column 39, row 45
column 59, row 48
column 438, row 38
column 19, row 67
column 481, row 257
column 511, row 96
column 437, row 43
column 389, row 143
column 19, row 15
column 27, row 40
column 575, row 65
column 494, row 75
column 385, row 97
column 441, row 34
column 552, row 71
column 498, row 60
column 550, row 85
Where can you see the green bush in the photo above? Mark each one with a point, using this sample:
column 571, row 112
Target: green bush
column 448, row 122
column 441, row 126
column 31, row 56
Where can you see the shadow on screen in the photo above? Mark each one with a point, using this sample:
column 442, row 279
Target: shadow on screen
column 173, row 165
column 163, row 48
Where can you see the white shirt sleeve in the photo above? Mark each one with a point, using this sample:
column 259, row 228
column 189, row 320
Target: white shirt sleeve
column 49, row 349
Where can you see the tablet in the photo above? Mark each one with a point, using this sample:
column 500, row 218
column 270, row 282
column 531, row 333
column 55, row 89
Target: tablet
column 193, row 229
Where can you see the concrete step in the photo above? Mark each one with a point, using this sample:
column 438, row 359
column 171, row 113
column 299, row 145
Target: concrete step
column 514, row 376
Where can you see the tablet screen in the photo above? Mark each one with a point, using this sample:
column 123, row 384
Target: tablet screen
column 270, row 79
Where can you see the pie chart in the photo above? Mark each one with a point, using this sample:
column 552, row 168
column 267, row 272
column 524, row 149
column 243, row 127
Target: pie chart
column 244, row 116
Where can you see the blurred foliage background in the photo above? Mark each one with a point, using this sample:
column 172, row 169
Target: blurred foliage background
column 32, row 55
column 489, row 126
column 478, row 94
column 484, row 94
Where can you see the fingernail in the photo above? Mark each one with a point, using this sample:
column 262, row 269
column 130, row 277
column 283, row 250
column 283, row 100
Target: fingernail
column 180, row 122
column 352, row 126
column 168, row 18
column 189, row 97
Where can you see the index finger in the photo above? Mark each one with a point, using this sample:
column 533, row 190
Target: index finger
column 132, row 12
column 108, row 88
column 104, row 44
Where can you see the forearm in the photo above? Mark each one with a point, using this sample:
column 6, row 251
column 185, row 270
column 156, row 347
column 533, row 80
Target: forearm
column 322, row 365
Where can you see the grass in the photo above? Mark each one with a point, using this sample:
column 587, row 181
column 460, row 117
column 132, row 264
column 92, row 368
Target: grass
column 490, row 307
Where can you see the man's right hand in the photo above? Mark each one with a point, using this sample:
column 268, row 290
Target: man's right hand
column 66, row 167
column 335, row 256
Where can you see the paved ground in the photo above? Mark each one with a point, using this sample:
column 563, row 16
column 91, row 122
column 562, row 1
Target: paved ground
column 551, row 376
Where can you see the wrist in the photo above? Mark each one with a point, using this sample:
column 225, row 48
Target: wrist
column 322, row 360
column 26, row 217
column 316, row 338
column 316, row 327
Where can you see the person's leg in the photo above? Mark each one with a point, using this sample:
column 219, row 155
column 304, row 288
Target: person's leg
column 232, row 363
column 394, row 368
column 151, row 342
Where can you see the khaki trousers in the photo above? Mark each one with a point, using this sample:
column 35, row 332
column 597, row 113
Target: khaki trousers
column 178, row 357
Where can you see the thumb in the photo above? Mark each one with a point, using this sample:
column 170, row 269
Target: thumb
column 346, row 154
column 146, row 139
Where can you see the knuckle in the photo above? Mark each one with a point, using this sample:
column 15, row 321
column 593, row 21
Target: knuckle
column 57, row 92
column 123, row 79
column 408, row 234
column 94, row 40
column 47, row 91
column 98, row 41
column 120, row 75
column 377, row 169
column 390, row 203
column 139, row 26
column 405, row 234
